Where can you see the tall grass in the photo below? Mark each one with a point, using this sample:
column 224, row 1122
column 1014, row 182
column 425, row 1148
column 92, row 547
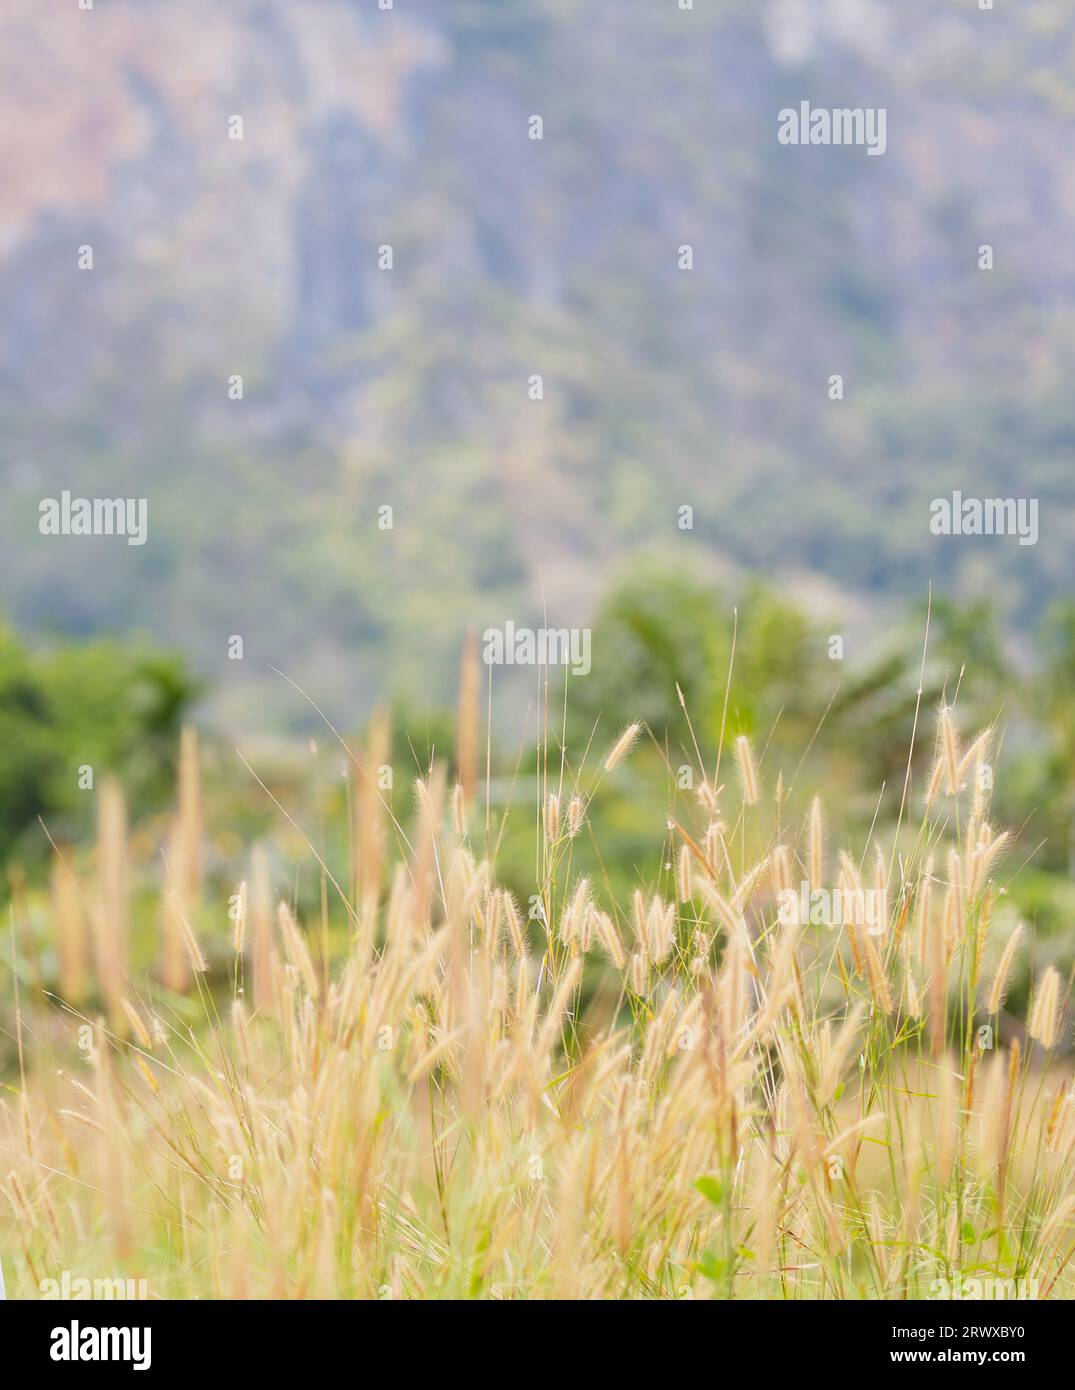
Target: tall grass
column 694, row 1093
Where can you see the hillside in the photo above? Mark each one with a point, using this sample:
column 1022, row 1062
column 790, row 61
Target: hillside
column 513, row 257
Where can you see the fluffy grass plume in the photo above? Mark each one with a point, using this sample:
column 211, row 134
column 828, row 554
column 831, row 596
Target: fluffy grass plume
column 424, row 1095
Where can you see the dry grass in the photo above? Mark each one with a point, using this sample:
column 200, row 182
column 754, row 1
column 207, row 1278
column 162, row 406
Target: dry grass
column 689, row 1094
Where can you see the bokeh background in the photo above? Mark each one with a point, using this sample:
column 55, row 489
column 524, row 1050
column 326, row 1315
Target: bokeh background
column 362, row 127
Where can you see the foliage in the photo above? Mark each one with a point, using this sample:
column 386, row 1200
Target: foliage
column 109, row 706
column 694, row 1091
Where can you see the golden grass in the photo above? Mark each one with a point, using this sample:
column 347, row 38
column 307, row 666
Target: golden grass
column 693, row 1094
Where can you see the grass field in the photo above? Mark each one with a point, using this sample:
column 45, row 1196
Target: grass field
column 779, row 1069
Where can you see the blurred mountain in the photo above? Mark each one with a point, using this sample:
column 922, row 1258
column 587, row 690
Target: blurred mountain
column 365, row 388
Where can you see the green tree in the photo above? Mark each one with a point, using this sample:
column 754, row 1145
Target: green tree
column 113, row 707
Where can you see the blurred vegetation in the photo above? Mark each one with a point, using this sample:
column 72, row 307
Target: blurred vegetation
column 843, row 724
column 108, row 706
column 662, row 648
column 513, row 258
column 842, row 728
